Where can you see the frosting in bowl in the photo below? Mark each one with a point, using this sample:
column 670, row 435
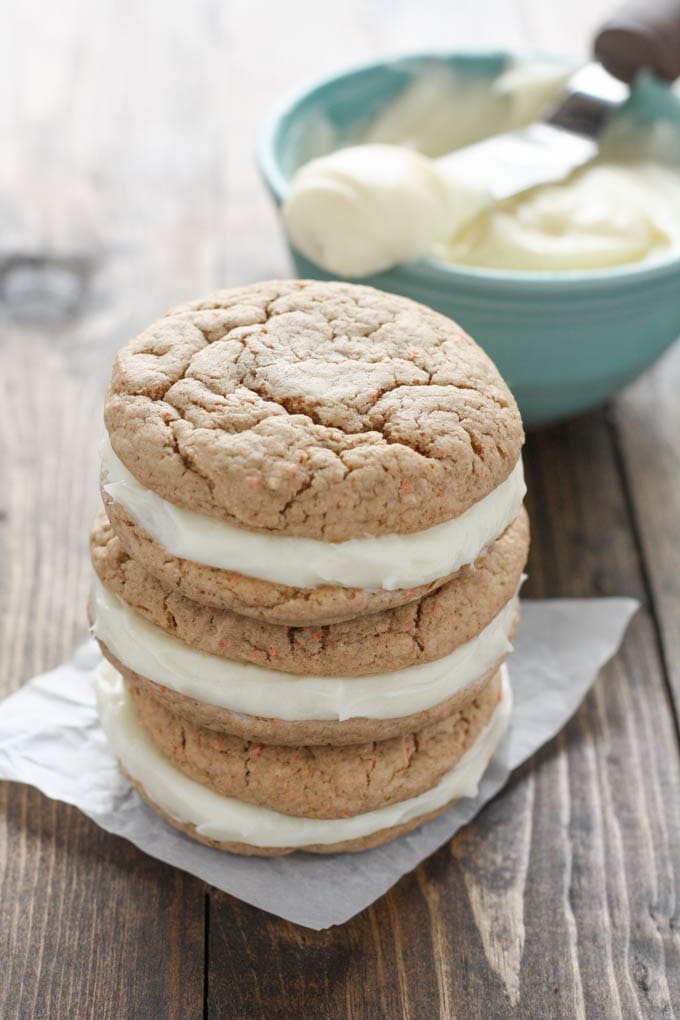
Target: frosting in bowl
column 607, row 214
column 392, row 195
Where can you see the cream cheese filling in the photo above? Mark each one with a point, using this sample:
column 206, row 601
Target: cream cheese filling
column 232, row 821
column 371, row 563
column 396, row 191
column 240, row 687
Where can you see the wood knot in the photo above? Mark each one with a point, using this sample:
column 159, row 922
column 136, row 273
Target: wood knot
column 41, row 288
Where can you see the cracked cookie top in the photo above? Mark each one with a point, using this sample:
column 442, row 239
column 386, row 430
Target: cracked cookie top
column 325, row 410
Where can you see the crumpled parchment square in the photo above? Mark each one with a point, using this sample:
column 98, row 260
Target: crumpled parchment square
column 50, row 738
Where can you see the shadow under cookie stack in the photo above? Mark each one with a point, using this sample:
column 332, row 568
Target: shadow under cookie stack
column 307, row 572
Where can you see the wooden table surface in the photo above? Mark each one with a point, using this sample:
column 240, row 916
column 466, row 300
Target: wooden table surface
column 127, row 183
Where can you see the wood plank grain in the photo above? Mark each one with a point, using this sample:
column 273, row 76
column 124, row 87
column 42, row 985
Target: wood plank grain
column 90, row 926
column 108, row 197
column 131, row 188
column 498, row 924
column 648, row 420
column 618, row 825
column 561, row 899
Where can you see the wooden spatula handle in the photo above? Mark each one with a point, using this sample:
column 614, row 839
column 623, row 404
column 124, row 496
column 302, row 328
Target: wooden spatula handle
column 644, row 35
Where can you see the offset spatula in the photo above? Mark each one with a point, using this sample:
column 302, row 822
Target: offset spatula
column 643, row 36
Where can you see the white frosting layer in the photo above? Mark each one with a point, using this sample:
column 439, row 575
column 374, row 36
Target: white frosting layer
column 388, row 561
column 253, row 690
column 228, row 820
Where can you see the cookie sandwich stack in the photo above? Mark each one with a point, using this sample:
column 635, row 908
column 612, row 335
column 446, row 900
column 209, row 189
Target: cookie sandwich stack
column 306, row 573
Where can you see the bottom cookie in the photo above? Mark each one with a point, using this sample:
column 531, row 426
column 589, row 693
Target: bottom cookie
column 239, row 827
column 248, row 850
column 321, row 781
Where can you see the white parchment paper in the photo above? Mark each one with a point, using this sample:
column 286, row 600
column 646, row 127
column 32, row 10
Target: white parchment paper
column 50, row 737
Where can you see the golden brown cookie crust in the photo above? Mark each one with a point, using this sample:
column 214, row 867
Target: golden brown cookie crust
column 249, row 850
column 325, row 410
column 250, row 596
column 322, row 781
column 421, row 631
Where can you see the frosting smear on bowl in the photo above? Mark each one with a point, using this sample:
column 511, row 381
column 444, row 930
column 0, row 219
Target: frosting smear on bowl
column 392, row 196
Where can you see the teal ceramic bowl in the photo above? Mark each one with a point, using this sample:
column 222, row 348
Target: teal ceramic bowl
column 564, row 342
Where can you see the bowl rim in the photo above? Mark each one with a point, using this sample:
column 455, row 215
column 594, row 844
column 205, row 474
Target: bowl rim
column 476, row 277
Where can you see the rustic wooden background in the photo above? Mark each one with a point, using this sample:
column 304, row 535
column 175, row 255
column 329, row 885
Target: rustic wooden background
column 127, row 183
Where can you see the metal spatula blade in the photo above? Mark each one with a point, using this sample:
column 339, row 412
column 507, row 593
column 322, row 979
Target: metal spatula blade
column 549, row 151
column 643, row 35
